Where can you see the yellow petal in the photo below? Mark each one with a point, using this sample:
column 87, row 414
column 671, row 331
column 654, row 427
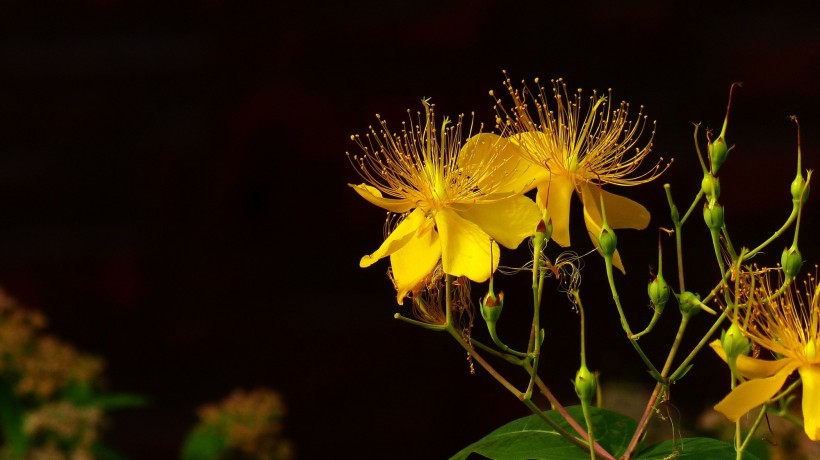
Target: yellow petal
column 621, row 212
column 465, row 248
column 414, row 261
column 399, row 237
column 373, row 195
column 751, row 368
column 556, row 195
column 810, row 375
column 514, row 172
column 753, row 393
column 508, row 221
column 594, row 221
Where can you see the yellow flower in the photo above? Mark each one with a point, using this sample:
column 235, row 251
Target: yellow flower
column 580, row 151
column 788, row 326
column 453, row 201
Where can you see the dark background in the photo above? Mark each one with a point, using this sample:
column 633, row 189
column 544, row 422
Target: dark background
column 173, row 194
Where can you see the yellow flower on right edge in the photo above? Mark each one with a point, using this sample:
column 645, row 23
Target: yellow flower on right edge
column 579, row 151
column 789, row 326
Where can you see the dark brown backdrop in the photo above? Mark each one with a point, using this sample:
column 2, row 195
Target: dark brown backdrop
column 173, row 191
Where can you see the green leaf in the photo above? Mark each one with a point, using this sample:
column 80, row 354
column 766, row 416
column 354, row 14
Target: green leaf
column 532, row 438
column 204, row 443
column 692, row 448
column 111, row 401
column 83, row 395
column 12, row 414
column 103, row 452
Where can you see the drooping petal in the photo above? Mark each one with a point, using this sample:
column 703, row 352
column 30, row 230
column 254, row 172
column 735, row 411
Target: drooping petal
column 594, row 221
column 513, row 172
column 414, row 261
column 755, row 392
column 810, row 375
column 508, row 221
column 465, row 248
column 621, row 212
column 398, row 238
column 373, row 195
column 751, row 368
column 556, row 195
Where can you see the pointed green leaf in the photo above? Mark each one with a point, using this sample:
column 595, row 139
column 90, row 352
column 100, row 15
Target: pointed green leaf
column 692, row 448
column 532, row 438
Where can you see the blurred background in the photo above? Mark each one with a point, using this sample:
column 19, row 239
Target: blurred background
column 173, row 194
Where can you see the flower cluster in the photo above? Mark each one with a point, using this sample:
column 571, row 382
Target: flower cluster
column 246, row 424
column 450, row 200
column 455, row 198
column 785, row 320
column 50, row 391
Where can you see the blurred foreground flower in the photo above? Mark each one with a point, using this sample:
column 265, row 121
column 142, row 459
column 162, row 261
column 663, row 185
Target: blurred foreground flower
column 576, row 151
column 454, row 201
column 789, row 326
column 245, row 425
column 50, row 397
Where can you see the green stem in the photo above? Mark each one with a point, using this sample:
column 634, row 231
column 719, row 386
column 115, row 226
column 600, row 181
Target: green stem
column 624, row 323
column 691, row 207
column 584, row 401
column 588, row 418
column 633, row 443
column 716, row 245
column 751, row 432
column 511, row 388
column 507, row 357
column 491, row 328
column 481, row 361
column 682, row 367
column 556, row 405
column 778, row 233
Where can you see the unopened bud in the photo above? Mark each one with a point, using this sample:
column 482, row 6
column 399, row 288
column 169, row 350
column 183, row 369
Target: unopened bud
column 586, row 385
column 791, row 260
column 658, row 293
column 607, row 241
column 734, row 342
column 543, row 232
column 710, row 186
column 491, row 306
column 689, row 303
column 713, row 215
column 797, row 189
column 718, row 152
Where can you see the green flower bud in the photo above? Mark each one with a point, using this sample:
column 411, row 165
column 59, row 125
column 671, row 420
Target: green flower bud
column 713, row 215
column 734, row 342
column 791, row 260
column 797, row 189
column 586, row 385
column 658, row 293
column 689, row 303
column 708, row 184
column 548, row 230
column 491, row 306
column 718, row 152
column 607, row 241
column 543, row 232
column 674, row 213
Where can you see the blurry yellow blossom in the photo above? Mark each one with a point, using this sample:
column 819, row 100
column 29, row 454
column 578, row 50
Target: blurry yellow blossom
column 76, row 426
column 577, row 150
column 250, row 422
column 450, row 201
column 789, row 326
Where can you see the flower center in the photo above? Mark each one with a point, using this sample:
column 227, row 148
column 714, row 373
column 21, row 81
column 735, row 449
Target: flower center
column 811, row 350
